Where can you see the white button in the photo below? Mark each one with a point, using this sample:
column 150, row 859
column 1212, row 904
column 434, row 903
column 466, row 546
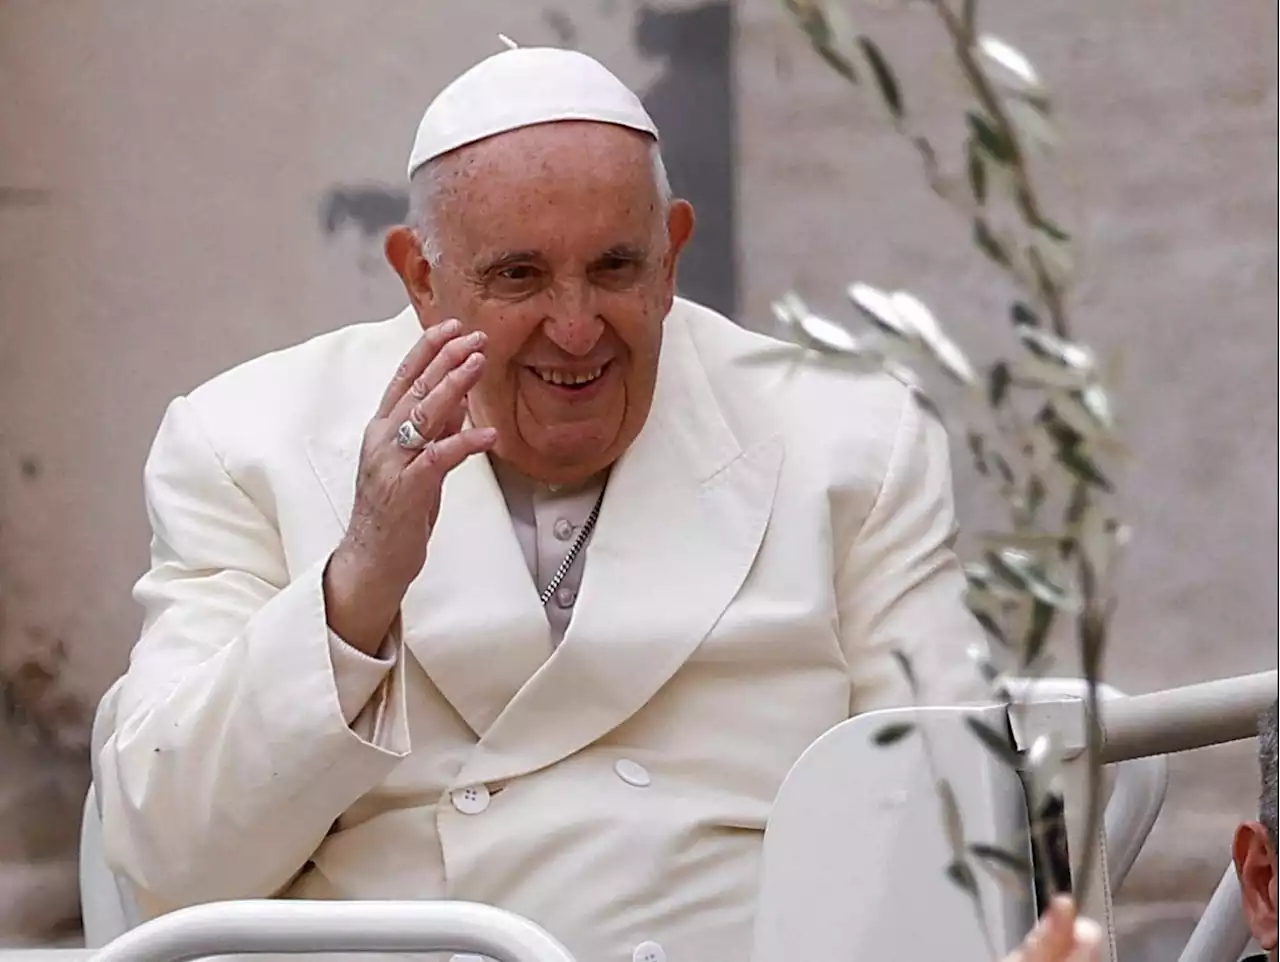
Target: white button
column 565, row 597
column 563, row 529
column 633, row 773
column 649, row 952
column 471, row 800
column 467, row 958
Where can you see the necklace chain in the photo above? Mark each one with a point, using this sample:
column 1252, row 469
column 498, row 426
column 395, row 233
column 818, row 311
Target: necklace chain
column 574, row 550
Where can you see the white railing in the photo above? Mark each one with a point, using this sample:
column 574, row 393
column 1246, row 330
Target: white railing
column 254, row 927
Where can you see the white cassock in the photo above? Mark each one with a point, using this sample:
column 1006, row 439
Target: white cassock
column 764, row 545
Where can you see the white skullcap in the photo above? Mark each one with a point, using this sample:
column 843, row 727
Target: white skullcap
column 520, row 88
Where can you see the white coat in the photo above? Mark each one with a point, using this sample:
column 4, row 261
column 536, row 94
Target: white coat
column 764, row 545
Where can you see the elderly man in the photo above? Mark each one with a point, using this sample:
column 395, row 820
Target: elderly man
column 1255, row 845
column 550, row 629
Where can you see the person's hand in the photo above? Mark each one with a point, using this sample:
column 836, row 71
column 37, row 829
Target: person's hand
column 1060, row 936
column 415, row 439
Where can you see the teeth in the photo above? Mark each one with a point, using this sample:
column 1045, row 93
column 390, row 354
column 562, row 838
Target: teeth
column 565, row 379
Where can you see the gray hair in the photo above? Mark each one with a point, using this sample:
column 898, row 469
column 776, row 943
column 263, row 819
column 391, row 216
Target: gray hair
column 427, row 185
column 1267, row 762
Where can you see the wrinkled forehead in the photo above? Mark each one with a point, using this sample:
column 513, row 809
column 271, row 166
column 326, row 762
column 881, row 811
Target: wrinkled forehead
column 562, row 149
column 574, row 183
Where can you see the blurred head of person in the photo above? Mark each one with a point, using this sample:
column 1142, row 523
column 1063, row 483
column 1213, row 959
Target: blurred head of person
column 1255, row 845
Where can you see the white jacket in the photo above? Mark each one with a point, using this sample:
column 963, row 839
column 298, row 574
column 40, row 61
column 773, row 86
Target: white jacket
column 764, row 545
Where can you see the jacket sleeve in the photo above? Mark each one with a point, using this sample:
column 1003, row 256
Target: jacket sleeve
column 901, row 587
column 241, row 731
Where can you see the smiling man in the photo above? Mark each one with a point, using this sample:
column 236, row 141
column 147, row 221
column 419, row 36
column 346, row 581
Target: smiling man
column 533, row 594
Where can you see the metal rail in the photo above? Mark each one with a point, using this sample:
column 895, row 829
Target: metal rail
column 253, row 927
column 1182, row 719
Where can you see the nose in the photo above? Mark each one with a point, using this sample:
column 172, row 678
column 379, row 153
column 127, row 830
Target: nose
column 572, row 323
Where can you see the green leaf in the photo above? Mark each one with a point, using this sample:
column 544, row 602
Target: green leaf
column 976, row 449
column 1080, row 465
column 885, row 79
column 907, row 669
column 1023, row 315
column 977, row 169
column 1052, row 229
column 1035, row 494
column 1024, row 572
column 962, row 877
column 1003, row 469
column 986, row 240
column 1000, row 857
column 893, row 733
column 838, row 62
column 952, row 824
column 993, row 141
column 989, row 623
column 1042, row 616
column 999, row 745
column 998, row 380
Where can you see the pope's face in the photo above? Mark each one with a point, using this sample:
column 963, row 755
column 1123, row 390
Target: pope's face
column 552, row 242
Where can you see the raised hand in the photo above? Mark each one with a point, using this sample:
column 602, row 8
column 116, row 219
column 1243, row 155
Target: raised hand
column 415, row 439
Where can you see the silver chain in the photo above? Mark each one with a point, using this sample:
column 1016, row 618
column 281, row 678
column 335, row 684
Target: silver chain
column 574, row 550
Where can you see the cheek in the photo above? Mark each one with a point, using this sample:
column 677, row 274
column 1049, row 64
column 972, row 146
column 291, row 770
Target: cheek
column 506, row 332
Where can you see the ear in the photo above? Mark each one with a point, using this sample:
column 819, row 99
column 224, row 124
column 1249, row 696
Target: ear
column 680, row 223
column 1255, row 861
column 404, row 254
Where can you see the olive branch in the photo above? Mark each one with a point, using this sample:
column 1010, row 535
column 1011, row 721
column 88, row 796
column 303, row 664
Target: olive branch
column 1039, row 423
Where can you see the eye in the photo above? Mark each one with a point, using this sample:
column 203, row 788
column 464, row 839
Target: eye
column 616, row 269
column 518, row 273
column 610, row 264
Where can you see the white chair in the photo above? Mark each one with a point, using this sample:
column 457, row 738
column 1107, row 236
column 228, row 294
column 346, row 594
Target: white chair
column 855, row 853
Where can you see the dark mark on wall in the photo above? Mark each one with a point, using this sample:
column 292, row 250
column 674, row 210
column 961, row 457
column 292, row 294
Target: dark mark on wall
column 24, row 197
column 691, row 101
column 30, row 468
column 369, row 209
column 559, row 23
column 693, row 105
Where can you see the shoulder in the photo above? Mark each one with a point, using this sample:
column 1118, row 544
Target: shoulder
column 327, row 380
column 845, row 423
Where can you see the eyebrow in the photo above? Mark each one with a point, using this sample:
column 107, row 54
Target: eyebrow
column 507, row 259
column 627, row 252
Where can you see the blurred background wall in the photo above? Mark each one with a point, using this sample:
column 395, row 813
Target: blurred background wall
column 186, row 184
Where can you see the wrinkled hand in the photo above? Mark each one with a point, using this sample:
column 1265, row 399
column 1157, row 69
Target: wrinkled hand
column 398, row 487
column 1060, row 936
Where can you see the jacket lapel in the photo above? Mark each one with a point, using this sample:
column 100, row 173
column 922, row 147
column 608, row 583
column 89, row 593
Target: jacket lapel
column 472, row 617
column 684, row 514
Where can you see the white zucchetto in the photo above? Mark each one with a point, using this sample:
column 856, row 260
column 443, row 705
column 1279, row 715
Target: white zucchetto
column 522, row 87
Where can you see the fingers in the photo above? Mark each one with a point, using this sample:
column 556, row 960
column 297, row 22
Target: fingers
column 438, row 458
column 1050, row 936
column 446, row 399
column 415, row 362
column 1060, row 936
column 443, row 385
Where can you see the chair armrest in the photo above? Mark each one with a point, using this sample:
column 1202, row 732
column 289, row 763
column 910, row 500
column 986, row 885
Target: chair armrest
column 292, row 927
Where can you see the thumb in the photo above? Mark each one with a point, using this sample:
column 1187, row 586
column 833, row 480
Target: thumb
column 1088, row 941
column 1051, row 939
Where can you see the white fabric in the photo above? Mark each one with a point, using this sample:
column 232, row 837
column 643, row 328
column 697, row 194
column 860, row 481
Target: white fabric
column 521, row 88
column 765, row 544
column 546, row 522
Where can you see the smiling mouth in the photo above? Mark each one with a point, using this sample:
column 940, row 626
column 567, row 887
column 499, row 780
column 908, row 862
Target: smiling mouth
column 570, row 379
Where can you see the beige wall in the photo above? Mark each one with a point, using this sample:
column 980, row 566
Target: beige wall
column 163, row 167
